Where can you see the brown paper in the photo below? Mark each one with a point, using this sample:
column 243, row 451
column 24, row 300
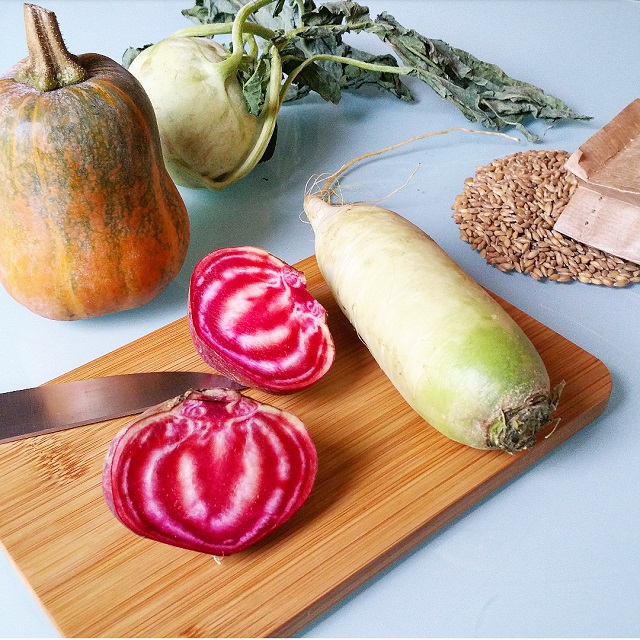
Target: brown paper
column 604, row 211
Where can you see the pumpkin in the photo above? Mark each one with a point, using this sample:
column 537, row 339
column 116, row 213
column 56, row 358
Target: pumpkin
column 91, row 222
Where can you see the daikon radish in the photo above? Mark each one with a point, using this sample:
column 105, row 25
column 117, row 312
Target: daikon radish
column 454, row 354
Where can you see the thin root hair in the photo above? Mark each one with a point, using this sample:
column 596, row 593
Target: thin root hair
column 555, row 424
column 302, row 216
column 315, row 181
column 326, row 191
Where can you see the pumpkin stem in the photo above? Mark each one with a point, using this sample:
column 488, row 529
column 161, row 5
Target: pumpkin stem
column 49, row 65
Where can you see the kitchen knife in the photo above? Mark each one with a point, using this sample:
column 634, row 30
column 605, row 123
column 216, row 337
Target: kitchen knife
column 58, row 406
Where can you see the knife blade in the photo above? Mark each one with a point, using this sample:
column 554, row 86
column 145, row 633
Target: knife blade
column 63, row 405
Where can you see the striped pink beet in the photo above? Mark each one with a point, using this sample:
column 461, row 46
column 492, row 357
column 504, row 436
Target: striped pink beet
column 212, row 471
column 252, row 318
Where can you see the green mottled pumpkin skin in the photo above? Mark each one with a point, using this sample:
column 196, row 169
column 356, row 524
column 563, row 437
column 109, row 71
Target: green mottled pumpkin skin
column 91, row 222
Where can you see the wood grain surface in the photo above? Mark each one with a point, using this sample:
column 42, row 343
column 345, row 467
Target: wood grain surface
column 386, row 481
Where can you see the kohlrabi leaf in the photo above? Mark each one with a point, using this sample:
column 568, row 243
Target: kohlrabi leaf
column 254, row 88
column 330, row 78
column 131, row 54
column 277, row 16
column 206, row 12
column 335, row 13
column 313, row 77
column 482, row 91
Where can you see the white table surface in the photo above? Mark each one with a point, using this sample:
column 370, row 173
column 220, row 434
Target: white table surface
column 555, row 552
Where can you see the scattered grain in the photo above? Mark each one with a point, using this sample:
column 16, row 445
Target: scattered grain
column 507, row 213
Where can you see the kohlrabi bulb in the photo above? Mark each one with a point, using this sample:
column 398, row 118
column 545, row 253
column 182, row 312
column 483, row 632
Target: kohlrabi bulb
column 205, row 127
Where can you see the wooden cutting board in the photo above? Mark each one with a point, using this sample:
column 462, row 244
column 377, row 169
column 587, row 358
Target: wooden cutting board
column 386, row 481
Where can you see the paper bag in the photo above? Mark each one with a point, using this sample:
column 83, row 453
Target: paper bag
column 604, row 211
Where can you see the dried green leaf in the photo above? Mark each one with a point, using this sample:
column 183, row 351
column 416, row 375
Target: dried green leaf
column 335, row 13
column 329, row 78
column 314, row 77
column 254, row 85
column 207, row 12
column 282, row 16
column 482, row 91
column 131, row 54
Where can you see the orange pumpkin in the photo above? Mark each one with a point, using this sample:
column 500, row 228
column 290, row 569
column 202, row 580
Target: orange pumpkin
column 91, row 222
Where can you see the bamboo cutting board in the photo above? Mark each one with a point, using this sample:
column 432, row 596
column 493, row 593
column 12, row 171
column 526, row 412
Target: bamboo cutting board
column 386, row 481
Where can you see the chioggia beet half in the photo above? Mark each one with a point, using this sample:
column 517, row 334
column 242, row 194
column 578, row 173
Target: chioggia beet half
column 211, row 471
column 252, row 319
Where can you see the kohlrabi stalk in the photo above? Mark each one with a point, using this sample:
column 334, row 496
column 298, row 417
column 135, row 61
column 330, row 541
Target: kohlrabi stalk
column 209, row 30
column 267, row 119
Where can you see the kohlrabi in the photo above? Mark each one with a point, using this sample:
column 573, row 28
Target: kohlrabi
column 217, row 105
column 209, row 136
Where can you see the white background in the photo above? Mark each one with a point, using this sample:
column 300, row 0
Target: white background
column 556, row 552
